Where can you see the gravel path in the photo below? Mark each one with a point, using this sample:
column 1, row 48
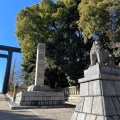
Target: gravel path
column 55, row 114
column 3, row 103
column 33, row 114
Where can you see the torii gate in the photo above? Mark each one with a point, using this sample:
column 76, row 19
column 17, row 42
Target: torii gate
column 8, row 66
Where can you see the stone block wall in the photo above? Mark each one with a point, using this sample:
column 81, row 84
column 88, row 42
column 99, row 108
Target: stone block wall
column 39, row 98
column 99, row 97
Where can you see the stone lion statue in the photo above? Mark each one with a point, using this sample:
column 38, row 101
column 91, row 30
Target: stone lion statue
column 99, row 55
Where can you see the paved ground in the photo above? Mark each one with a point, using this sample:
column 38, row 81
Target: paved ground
column 55, row 114
column 33, row 114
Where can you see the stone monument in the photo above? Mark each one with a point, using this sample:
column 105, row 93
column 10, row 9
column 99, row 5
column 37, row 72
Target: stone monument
column 99, row 90
column 39, row 74
column 40, row 64
column 40, row 94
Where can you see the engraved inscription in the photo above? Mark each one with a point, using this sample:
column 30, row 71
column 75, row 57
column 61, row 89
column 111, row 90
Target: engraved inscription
column 41, row 56
column 41, row 68
column 41, row 46
column 41, row 75
column 40, row 64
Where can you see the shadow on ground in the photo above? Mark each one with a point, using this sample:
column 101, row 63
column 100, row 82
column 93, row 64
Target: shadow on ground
column 20, row 115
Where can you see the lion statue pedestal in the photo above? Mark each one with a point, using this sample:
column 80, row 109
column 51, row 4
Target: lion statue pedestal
column 99, row 89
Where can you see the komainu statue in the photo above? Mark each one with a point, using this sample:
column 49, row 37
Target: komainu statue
column 99, row 55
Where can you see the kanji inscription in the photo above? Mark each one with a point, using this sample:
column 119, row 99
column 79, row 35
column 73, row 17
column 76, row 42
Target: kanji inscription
column 40, row 64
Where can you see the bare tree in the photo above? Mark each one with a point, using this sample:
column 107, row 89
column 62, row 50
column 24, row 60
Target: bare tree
column 15, row 74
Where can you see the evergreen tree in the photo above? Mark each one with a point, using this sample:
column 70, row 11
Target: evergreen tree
column 101, row 17
column 54, row 24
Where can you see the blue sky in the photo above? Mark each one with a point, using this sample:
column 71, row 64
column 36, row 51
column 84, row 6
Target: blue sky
column 8, row 12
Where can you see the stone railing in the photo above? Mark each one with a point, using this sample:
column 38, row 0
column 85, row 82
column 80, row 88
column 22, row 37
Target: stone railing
column 71, row 93
column 74, row 90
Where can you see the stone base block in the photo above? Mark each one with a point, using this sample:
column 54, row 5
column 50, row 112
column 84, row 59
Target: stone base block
column 99, row 94
column 39, row 98
column 97, row 108
column 102, row 69
column 85, row 116
column 39, row 88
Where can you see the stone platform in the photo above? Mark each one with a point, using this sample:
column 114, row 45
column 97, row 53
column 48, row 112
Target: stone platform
column 39, row 98
column 15, row 106
column 99, row 94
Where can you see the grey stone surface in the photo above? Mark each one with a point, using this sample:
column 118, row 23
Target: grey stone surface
column 108, row 88
column 101, row 72
column 117, row 87
column 40, row 64
column 94, row 88
column 81, row 116
column 97, row 106
column 55, row 113
column 116, row 104
column 39, row 88
column 74, row 116
column 84, row 89
column 92, row 70
column 109, row 108
column 107, row 77
column 108, row 118
column 100, row 118
column 72, row 98
column 116, row 118
column 100, row 89
column 40, row 98
column 88, row 104
column 102, row 69
column 79, row 106
column 90, row 117
column 33, row 114
column 19, row 115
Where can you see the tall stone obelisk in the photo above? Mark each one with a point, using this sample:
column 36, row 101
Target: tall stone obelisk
column 40, row 64
column 40, row 67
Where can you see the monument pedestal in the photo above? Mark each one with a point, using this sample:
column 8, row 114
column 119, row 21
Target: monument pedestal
column 39, row 88
column 40, row 94
column 40, row 98
column 99, row 94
